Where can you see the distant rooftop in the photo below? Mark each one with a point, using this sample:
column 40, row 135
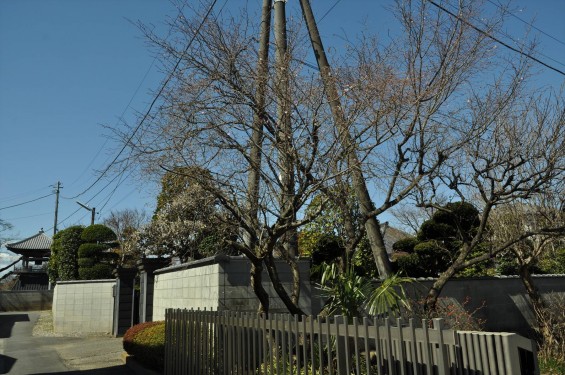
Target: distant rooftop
column 40, row 241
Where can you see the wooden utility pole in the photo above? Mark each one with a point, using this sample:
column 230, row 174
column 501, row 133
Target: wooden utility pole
column 255, row 159
column 259, row 119
column 372, row 225
column 58, row 187
column 284, row 126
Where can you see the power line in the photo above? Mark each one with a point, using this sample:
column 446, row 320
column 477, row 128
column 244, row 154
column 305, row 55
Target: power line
column 131, row 99
column 30, row 201
column 23, row 194
column 495, row 38
column 27, row 217
column 526, row 22
column 165, row 83
column 517, row 42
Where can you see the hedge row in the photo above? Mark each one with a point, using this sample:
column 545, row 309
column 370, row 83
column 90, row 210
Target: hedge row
column 146, row 342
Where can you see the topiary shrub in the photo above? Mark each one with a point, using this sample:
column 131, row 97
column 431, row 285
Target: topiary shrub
column 405, row 245
column 95, row 259
column 85, row 263
column 98, row 233
column 91, row 250
column 146, row 342
column 99, row 271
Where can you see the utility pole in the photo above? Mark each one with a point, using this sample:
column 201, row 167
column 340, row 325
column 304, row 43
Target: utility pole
column 358, row 180
column 284, row 124
column 259, row 118
column 58, row 187
column 92, row 211
column 255, row 157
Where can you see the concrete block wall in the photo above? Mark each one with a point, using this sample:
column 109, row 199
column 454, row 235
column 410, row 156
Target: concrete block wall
column 83, row 306
column 238, row 294
column 26, row 300
column 502, row 302
column 221, row 283
column 192, row 286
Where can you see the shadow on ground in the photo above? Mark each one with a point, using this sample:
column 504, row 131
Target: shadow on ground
column 7, row 322
column 115, row 370
column 6, row 363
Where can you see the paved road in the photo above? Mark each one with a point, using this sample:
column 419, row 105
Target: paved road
column 23, row 354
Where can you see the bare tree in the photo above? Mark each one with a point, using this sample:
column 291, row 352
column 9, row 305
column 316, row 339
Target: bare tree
column 4, row 227
column 212, row 117
column 125, row 223
column 518, row 160
column 511, row 221
column 400, row 122
column 398, row 108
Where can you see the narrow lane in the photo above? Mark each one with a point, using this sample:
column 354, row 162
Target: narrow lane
column 21, row 353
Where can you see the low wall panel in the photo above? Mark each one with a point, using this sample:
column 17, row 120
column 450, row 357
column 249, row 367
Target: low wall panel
column 222, row 283
column 501, row 302
column 189, row 288
column 31, row 300
column 84, row 306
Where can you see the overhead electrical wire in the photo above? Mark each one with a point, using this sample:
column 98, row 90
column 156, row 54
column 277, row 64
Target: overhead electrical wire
column 120, row 175
column 526, row 22
column 518, row 43
column 141, row 122
column 157, row 96
column 488, row 35
column 30, row 201
column 23, row 194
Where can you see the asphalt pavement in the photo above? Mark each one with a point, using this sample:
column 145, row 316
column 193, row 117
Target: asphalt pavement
column 21, row 353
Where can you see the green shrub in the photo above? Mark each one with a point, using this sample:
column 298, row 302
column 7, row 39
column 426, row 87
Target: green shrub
column 91, row 250
column 109, row 256
column 96, row 272
column 146, row 342
column 406, row 244
column 98, row 233
column 85, row 263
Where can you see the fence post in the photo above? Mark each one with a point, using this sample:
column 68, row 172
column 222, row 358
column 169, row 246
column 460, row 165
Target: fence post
column 442, row 366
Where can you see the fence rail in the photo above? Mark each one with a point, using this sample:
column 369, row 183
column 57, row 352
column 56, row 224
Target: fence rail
column 209, row 342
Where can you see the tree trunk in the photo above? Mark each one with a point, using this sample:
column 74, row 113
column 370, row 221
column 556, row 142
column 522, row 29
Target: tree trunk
column 295, row 292
column 435, row 290
column 257, row 285
column 279, row 288
column 359, row 184
column 538, row 305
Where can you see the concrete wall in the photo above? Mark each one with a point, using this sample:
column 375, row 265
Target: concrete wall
column 220, row 283
column 83, row 306
column 191, row 286
column 506, row 303
column 26, row 300
column 239, row 295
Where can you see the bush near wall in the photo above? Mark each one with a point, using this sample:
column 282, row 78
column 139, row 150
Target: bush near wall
column 146, row 342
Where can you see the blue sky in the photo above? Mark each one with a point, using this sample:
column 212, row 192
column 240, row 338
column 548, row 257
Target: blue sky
column 69, row 66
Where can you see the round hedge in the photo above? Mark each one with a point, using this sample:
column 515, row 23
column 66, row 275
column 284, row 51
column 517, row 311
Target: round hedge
column 98, row 233
column 85, row 262
column 405, row 245
column 146, row 342
column 97, row 272
column 91, row 250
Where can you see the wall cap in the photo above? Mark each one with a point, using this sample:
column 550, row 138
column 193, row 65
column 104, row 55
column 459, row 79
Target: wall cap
column 495, row 277
column 220, row 258
column 85, row 281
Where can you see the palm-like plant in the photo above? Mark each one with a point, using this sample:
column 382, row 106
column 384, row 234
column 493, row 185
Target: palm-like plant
column 352, row 295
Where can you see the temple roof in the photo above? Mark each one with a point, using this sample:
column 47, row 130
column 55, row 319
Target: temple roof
column 40, row 241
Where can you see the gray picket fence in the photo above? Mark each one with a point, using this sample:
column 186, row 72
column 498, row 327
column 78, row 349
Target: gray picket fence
column 211, row 342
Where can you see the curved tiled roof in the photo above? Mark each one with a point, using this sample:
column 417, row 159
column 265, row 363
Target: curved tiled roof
column 40, row 241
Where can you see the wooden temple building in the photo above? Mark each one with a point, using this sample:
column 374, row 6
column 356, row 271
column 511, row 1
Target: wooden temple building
column 35, row 251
